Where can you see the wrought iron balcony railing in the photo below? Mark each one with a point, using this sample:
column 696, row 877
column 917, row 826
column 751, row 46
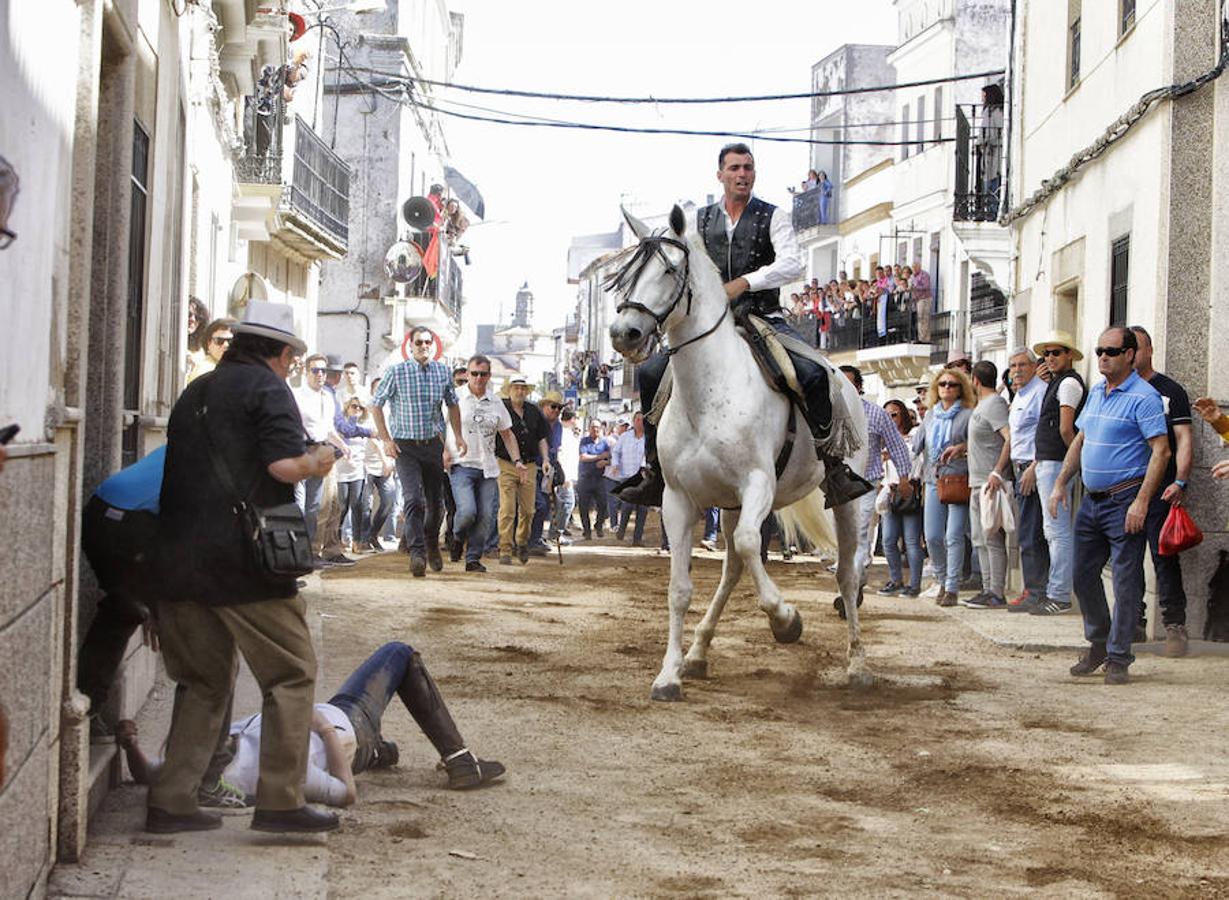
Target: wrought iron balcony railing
column 986, row 302
column 320, row 187
column 811, row 209
column 979, row 161
column 940, row 337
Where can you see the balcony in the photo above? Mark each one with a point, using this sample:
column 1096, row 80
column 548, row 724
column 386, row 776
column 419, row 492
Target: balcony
column 940, row 337
column 979, row 161
column 896, row 352
column 807, row 211
column 987, row 304
column 300, row 198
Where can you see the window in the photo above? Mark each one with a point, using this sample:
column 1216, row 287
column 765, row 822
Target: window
column 1073, row 42
column 135, row 312
column 938, row 113
column 1126, row 16
column 904, row 131
column 1120, row 253
column 921, row 123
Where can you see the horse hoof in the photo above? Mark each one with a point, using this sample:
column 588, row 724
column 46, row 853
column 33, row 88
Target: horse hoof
column 790, row 633
column 668, row 692
column 861, row 680
column 695, row 668
column 839, row 605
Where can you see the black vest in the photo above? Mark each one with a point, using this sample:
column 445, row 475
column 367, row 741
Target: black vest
column 1050, row 444
column 749, row 249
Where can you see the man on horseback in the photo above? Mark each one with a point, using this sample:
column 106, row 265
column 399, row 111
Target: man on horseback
column 753, row 245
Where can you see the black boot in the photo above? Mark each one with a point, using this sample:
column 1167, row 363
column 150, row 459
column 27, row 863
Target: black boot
column 841, row 484
column 646, row 487
column 423, row 701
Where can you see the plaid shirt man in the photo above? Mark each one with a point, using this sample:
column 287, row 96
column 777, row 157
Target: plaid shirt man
column 416, row 392
column 882, row 433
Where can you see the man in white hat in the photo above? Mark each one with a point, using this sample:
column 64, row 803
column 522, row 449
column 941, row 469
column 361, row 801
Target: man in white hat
column 1061, row 404
column 239, row 419
column 518, row 471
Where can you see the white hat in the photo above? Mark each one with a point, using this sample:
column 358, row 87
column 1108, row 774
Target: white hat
column 271, row 320
column 518, row 379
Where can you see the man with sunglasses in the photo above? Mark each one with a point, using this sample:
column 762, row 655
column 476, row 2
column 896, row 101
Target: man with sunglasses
column 1121, row 451
column 318, row 407
column 1060, row 406
column 416, row 391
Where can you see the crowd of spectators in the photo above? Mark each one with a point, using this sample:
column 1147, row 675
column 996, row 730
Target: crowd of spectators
column 896, row 304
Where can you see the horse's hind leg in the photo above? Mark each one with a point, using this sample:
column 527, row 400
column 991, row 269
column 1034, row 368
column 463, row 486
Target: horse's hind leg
column 757, row 499
column 679, row 516
column 695, row 664
column 849, row 578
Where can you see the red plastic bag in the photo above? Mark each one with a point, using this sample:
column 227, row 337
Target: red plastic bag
column 1178, row 533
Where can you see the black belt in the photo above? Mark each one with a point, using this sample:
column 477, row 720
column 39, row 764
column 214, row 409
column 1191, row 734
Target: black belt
column 417, row 442
column 1115, row 489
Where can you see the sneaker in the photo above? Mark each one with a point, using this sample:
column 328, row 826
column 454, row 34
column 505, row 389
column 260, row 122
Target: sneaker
column 933, row 592
column 910, row 592
column 1050, row 608
column 474, row 566
column 891, row 589
column 466, row 771
column 709, row 545
column 505, row 560
column 1116, row 673
column 946, row 598
column 224, row 795
column 538, row 550
column 1026, row 602
column 340, row 560
column 986, row 600
column 319, row 563
column 1175, row 640
column 1090, row 660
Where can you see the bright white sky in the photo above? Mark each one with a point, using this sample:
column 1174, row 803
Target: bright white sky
column 542, row 186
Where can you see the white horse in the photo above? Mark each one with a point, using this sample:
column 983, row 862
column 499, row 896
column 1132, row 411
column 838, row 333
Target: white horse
column 718, row 441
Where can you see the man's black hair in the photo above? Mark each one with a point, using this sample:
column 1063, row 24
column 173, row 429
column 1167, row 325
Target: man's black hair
column 479, row 359
column 1140, row 329
column 568, row 414
column 460, row 368
column 739, row 148
column 255, row 345
column 857, row 376
column 1129, row 340
column 350, row 365
column 985, row 373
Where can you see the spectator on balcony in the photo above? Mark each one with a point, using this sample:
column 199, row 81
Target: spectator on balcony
column 942, row 440
column 455, row 221
column 989, row 152
column 923, row 300
column 825, row 199
column 810, row 182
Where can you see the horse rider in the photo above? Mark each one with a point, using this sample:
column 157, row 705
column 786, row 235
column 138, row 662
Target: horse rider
column 753, row 245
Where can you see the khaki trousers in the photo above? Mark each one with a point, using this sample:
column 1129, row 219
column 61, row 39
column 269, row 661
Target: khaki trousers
column 198, row 647
column 328, row 529
column 513, row 494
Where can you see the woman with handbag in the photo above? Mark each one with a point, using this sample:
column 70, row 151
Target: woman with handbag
column 942, row 440
column 903, row 520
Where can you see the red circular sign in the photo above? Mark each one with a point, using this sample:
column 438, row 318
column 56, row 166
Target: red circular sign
column 405, row 344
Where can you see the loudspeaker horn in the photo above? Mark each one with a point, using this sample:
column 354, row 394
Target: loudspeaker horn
column 419, row 213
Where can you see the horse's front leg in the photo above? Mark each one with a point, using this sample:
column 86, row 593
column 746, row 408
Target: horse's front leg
column 849, row 577
column 757, row 497
column 679, row 517
column 696, row 663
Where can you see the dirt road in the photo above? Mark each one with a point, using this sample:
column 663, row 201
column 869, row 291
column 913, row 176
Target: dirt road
column 766, row 780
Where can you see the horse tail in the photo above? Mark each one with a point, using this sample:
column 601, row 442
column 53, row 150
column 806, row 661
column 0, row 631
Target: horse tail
column 807, row 518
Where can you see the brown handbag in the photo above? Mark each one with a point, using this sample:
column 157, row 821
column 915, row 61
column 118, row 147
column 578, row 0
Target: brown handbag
column 953, row 488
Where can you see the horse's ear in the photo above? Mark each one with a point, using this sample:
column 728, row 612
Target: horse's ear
column 639, row 229
column 678, row 221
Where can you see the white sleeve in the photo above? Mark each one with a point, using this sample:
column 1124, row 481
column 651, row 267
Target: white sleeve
column 787, row 267
column 1070, row 393
column 505, row 417
column 321, row 787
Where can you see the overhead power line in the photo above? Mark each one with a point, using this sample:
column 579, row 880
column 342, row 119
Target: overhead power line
column 589, row 98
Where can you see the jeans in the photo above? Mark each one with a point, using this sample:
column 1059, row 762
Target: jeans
column 1034, row 552
column 1057, row 531
column 475, row 496
column 991, row 548
column 1170, row 593
column 945, row 525
column 614, row 506
column 591, row 494
column 1100, row 535
column 642, row 518
column 308, row 493
column 565, row 502
column 351, row 495
column 896, row 526
column 421, row 470
column 866, row 536
column 365, row 695
column 384, row 489
column 712, row 520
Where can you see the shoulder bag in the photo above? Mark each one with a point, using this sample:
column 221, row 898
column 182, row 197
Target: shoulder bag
column 274, row 536
column 953, row 488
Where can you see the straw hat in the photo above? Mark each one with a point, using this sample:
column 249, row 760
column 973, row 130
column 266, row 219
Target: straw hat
column 1060, row 338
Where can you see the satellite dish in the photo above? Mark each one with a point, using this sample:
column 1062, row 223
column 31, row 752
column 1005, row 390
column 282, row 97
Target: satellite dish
column 403, row 262
column 419, row 213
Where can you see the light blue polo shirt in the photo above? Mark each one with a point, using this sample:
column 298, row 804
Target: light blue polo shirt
column 138, row 487
column 1116, row 431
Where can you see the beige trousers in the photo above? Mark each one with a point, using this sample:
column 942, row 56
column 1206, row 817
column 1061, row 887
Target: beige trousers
column 328, row 523
column 514, row 495
column 198, row 647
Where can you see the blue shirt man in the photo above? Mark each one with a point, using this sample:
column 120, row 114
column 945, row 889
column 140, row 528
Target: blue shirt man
column 593, row 446
column 137, row 487
column 1123, row 448
column 591, row 486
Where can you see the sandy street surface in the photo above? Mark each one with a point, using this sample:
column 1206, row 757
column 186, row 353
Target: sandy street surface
column 1007, row 776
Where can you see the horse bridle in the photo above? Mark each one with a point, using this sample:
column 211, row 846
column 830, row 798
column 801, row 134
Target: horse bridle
column 625, row 280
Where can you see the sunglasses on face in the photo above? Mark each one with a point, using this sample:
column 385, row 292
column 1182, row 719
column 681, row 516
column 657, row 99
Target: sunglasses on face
column 1054, row 351
column 221, row 340
column 950, row 384
column 1111, row 351
column 317, row 371
column 427, row 343
column 894, row 415
column 554, row 406
column 473, row 374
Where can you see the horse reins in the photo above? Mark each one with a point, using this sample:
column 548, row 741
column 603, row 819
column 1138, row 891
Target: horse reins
column 626, row 278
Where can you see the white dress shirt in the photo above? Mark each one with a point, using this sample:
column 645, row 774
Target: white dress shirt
column 316, row 408
column 787, row 267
